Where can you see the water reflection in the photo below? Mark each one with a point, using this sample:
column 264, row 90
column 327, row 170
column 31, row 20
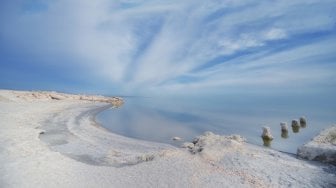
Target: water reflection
column 303, row 122
column 284, row 130
column 284, row 134
column 295, row 129
column 148, row 123
column 160, row 120
column 267, row 142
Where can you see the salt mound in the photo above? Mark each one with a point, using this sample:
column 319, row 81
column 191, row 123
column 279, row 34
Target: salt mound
column 213, row 147
column 24, row 96
column 321, row 148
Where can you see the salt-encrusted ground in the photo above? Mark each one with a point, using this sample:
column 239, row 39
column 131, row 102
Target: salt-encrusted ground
column 321, row 148
column 48, row 141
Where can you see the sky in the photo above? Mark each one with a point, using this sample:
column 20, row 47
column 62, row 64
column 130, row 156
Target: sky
column 176, row 47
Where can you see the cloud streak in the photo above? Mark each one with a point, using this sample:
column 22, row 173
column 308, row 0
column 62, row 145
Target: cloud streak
column 177, row 46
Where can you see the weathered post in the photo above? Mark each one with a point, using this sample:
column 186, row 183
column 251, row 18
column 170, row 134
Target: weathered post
column 284, row 130
column 303, row 122
column 295, row 126
column 267, row 136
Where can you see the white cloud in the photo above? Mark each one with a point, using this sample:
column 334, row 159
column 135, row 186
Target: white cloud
column 303, row 68
column 112, row 40
column 275, row 34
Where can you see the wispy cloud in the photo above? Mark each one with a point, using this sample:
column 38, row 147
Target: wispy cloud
column 178, row 46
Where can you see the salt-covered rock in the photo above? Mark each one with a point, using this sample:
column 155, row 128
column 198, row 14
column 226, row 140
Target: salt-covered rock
column 188, row 145
column 321, row 148
column 267, row 133
column 176, row 138
column 212, row 147
column 208, row 133
column 145, row 158
column 267, row 136
column 295, row 123
column 195, row 140
column 237, row 138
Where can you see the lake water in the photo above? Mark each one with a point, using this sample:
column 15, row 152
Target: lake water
column 160, row 119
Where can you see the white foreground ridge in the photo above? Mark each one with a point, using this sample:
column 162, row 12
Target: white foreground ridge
column 49, row 142
column 321, row 148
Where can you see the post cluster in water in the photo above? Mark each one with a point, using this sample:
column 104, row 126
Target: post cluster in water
column 296, row 125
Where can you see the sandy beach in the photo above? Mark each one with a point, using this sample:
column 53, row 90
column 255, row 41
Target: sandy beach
column 49, row 139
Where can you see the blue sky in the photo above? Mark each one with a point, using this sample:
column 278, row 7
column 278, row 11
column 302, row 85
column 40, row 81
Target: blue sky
column 138, row 47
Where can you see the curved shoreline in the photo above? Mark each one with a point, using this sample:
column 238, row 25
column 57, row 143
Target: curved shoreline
column 91, row 143
column 90, row 155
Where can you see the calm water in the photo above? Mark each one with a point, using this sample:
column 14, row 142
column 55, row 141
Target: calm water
column 160, row 119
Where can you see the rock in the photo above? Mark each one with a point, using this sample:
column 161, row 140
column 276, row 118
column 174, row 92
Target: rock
column 188, row 145
column 192, row 148
column 145, row 158
column 54, row 97
column 321, row 148
column 212, row 146
column 208, row 133
column 195, row 140
column 237, row 138
column 176, row 138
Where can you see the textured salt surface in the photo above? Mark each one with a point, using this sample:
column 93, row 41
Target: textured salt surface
column 80, row 154
column 321, row 148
